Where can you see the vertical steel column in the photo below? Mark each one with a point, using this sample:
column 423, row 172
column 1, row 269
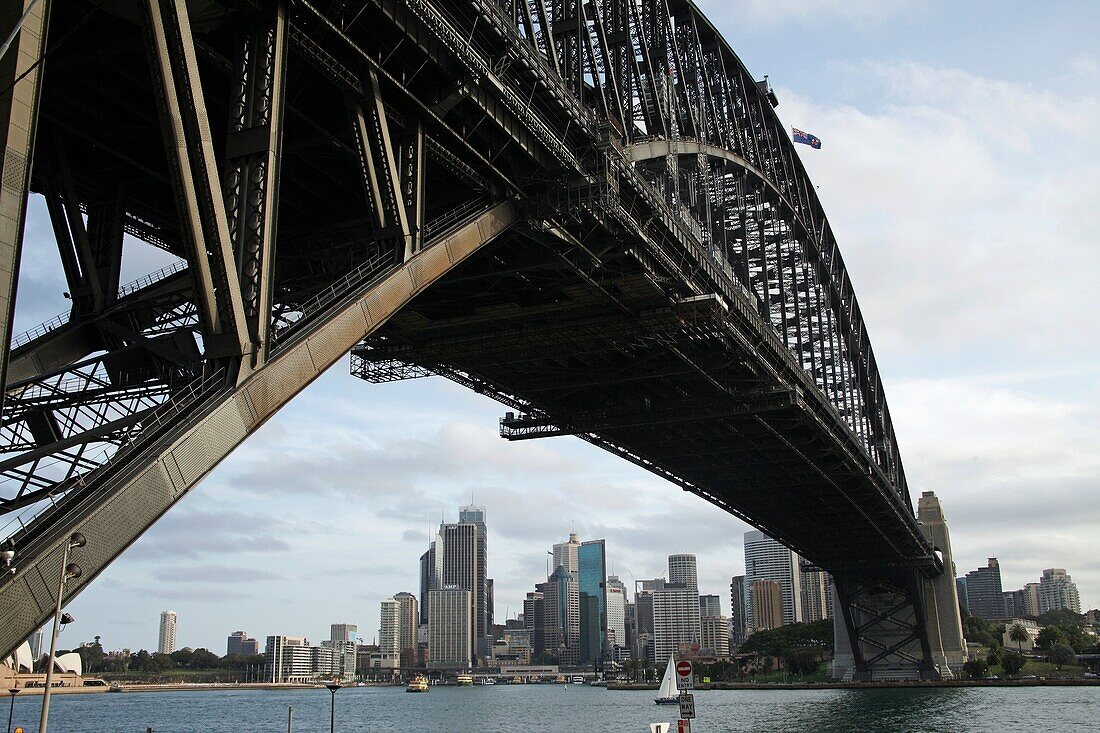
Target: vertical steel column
column 253, row 153
column 18, row 120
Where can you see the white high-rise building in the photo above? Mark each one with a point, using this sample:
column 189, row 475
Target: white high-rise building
column 616, row 611
column 817, row 601
column 681, row 569
column 565, row 554
column 288, row 659
column 715, row 635
column 767, row 559
column 675, row 620
column 389, row 634
column 167, row 643
column 1057, row 591
column 450, row 637
column 407, row 623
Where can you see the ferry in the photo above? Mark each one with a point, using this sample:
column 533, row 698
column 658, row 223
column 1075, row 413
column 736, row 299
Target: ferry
column 577, row 680
column 487, row 681
column 465, row 680
column 418, row 684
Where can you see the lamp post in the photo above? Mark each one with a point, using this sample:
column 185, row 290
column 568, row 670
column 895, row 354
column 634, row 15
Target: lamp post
column 11, row 711
column 68, row 570
column 332, row 687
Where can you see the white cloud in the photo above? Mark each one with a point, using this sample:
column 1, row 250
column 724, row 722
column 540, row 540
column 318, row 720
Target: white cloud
column 774, row 13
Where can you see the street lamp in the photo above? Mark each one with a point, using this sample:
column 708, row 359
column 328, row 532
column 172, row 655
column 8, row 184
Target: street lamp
column 69, row 570
column 11, row 711
column 332, row 687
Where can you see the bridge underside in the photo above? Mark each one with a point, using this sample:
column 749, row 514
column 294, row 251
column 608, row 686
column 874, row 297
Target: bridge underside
column 588, row 211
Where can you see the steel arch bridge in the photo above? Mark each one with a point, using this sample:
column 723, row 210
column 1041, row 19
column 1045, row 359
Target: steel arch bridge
column 586, row 210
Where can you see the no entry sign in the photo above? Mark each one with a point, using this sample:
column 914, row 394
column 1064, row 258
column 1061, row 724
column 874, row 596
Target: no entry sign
column 685, row 680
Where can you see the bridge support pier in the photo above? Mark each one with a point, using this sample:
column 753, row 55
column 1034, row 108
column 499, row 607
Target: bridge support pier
column 897, row 623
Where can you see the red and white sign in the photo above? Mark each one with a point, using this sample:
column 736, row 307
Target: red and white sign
column 683, row 726
column 685, row 680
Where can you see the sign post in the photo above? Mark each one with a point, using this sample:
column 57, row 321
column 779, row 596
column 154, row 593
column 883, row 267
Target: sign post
column 683, row 726
column 685, row 679
column 687, row 706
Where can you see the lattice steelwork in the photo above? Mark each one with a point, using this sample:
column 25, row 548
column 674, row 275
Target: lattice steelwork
column 587, row 210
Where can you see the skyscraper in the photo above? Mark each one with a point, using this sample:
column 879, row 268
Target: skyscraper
column 561, row 615
column 37, row 641
column 738, row 617
column 565, row 553
column 681, row 569
column 675, row 619
column 592, row 583
column 983, row 591
column 167, row 643
column 460, row 570
column 240, row 644
column 431, row 571
column 767, row 604
column 715, row 635
column 816, row 594
column 389, row 633
column 960, row 590
column 767, row 559
column 1057, row 591
column 534, row 620
column 450, row 627
column 616, row 612
column 475, row 515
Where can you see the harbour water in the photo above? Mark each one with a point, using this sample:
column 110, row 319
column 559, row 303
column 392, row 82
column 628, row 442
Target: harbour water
column 561, row 708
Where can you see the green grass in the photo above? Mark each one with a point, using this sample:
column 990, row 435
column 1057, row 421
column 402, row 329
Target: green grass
column 1042, row 669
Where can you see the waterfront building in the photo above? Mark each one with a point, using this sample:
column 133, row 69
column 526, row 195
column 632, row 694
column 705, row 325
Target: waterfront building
column 389, row 633
column 983, row 591
column 450, row 630
column 738, row 617
column 592, row 600
column 336, row 659
column 616, row 613
column 288, row 659
column 1057, row 592
column 408, row 620
column 681, row 569
column 461, row 570
column 561, row 615
column 767, row 604
column 710, row 605
column 715, row 635
column 167, row 641
column 343, row 632
column 241, row 644
column 565, row 554
column 767, row 559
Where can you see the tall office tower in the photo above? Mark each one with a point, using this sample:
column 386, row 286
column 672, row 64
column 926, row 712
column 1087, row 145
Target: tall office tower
column 630, row 621
column 535, row 622
column 715, row 635
column 738, row 617
column 1013, row 603
column 709, row 606
column 565, row 553
column 475, row 515
column 767, row 604
column 643, row 617
column 408, row 622
column 675, row 619
column 167, row 643
column 431, row 572
column 816, row 596
column 1031, row 599
column 343, row 632
column 592, row 589
column 239, row 644
column 288, row 659
column 616, row 612
column 767, row 559
column 338, row 656
column 983, row 591
column 450, row 628
column 1057, row 591
column 490, row 601
column 460, row 569
column 561, row 614
column 681, row 569
column 960, row 589
column 389, row 633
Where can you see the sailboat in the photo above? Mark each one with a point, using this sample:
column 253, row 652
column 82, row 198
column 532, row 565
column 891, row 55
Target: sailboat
column 668, row 694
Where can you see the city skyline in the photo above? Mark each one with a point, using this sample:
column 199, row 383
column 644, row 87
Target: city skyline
column 908, row 110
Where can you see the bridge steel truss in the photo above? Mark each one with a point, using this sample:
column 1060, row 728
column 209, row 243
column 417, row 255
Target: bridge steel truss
column 586, row 210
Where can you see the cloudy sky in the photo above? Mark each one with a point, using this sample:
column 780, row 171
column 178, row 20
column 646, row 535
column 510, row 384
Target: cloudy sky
column 960, row 172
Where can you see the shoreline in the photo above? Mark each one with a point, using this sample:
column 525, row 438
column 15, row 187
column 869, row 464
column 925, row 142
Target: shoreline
column 877, row 685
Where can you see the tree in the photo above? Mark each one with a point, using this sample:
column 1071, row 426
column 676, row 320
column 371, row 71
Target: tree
column 1019, row 635
column 993, row 658
column 976, row 669
column 1061, row 617
column 1062, row 654
column 801, row 660
column 1012, row 662
column 1049, row 636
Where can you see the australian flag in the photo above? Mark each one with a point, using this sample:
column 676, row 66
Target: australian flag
column 805, row 138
